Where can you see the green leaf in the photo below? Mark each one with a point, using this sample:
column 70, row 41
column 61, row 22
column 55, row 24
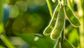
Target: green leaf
column 42, row 42
column 28, row 23
column 22, row 5
column 14, row 11
column 71, row 17
column 66, row 44
column 1, row 46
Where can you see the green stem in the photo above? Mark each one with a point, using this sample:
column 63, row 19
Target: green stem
column 49, row 7
column 1, row 10
column 1, row 17
column 64, row 2
column 82, row 32
column 3, row 37
column 81, row 15
column 62, row 35
column 6, row 41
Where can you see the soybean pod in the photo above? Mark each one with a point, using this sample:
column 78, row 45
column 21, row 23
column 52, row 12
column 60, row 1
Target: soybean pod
column 59, row 25
column 51, row 24
column 71, row 17
column 57, row 44
column 66, row 44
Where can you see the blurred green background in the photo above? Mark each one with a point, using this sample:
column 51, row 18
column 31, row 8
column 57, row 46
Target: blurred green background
column 22, row 23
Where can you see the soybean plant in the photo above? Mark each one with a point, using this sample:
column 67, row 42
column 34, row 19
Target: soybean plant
column 55, row 28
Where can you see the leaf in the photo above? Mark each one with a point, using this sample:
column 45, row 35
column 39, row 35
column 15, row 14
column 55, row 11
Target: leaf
column 66, row 44
column 1, row 46
column 22, row 5
column 42, row 42
column 28, row 23
column 59, row 25
column 51, row 25
column 14, row 11
column 71, row 17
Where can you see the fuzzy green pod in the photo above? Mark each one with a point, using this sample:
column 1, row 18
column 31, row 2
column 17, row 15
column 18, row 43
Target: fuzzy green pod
column 66, row 44
column 71, row 17
column 59, row 25
column 51, row 25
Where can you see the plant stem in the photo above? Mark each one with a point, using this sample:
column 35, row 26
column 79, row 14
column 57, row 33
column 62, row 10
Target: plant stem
column 56, row 43
column 6, row 41
column 3, row 37
column 49, row 7
column 1, row 17
column 62, row 35
column 81, row 15
column 1, row 10
column 82, row 32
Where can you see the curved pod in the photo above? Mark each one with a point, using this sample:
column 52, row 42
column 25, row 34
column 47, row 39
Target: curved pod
column 59, row 25
column 71, row 17
column 51, row 25
column 66, row 44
